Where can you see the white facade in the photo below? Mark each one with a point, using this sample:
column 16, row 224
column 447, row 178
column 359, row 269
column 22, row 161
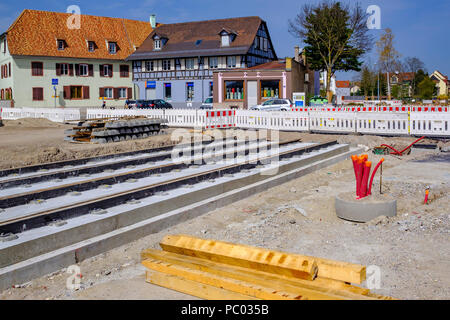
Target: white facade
column 323, row 81
column 23, row 94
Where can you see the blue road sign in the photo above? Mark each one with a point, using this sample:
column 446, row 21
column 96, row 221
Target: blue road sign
column 54, row 82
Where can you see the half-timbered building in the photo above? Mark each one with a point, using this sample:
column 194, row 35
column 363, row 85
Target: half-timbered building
column 176, row 62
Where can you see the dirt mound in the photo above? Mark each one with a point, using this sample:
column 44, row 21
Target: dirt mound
column 31, row 123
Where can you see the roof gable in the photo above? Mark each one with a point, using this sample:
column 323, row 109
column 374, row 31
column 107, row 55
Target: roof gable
column 35, row 33
column 182, row 37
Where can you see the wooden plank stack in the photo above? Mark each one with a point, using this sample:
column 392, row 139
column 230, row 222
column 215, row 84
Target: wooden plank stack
column 218, row 270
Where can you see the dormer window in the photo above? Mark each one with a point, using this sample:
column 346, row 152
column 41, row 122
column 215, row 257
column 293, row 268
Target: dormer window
column 225, row 40
column 158, row 44
column 112, row 47
column 226, row 37
column 91, row 46
column 61, row 44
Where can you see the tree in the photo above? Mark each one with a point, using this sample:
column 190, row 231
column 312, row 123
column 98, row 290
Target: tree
column 368, row 81
column 387, row 55
column 413, row 64
column 335, row 35
column 420, row 75
column 426, row 88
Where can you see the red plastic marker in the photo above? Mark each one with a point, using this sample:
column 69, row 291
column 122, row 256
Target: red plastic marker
column 373, row 176
column 365, row 179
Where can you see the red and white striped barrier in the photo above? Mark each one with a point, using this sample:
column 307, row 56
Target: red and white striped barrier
column 369, row 108
column 216, row 119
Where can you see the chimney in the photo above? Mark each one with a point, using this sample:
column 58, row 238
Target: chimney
column 297, row 54
column 153, row 21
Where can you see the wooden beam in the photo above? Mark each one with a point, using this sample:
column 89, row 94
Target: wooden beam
column 243, row 256
column 193, row 288
column 288, row 264
column 318, row 289
column 266, row 292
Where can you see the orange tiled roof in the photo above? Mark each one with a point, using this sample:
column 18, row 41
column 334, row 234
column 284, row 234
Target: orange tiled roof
column 35, row 33
column 343, row 84
column 272, row 65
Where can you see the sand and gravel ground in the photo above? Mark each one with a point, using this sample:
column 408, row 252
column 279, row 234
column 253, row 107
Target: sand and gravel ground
column 412, row 249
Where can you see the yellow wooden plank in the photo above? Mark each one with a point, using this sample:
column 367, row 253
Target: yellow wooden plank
column 193, row 288
column 244, row 256
column 317, row 290
column 283, row 263
column 243, row 287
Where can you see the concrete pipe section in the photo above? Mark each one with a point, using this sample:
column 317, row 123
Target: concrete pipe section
column 366, row 209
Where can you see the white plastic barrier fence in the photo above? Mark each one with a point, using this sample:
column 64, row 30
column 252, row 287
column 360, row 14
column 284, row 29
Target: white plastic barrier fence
column 52, row 114
column 332, row 121
column 113, row 113
column 10, row 113
column 289, row 121
column 250, row 119
column 382, row 123
column 185, row 117
column 430, row 123
column 424, row 122
column 220, row 119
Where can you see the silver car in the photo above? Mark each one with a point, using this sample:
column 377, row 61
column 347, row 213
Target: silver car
column 274, row 105
column 208, row 104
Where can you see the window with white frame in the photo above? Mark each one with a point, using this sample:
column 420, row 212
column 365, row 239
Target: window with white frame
column 84, row 72
column 122, row 93
column 107, row 70
column 189, row 64
column 225, row 40
column 64, row 69
column 265, row 44
column 61, row 44
column 231, row 62
column 256, row 43
column 91, row 46
column 261, row 43
column 109, row 93
column 166, row 65
column 112, row 47
column 149, row 66
column 213, row 62
column 157, row 44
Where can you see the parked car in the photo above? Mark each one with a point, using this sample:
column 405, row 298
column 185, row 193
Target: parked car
column 207, row 104
column 160, row 104
column 274, row 105
column 130, row 104
column 143, row 104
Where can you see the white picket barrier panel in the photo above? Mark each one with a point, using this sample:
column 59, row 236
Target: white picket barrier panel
column 52, row 114
column 289, row 120
column 251, row 119
column 11, row 113
column 430, row 123
column 72, row 114
column 185, row 117
column 324, row 121
column 382, row 123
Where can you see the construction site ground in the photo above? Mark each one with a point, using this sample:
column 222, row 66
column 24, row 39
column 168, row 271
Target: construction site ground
column 411, row 249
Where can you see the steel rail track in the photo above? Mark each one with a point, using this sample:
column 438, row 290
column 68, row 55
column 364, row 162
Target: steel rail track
column 82, row 161
column 99, row 167
column 39, row 219
column 79, row 186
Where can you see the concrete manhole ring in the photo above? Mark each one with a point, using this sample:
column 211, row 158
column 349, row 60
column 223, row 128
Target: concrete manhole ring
column 366, row 209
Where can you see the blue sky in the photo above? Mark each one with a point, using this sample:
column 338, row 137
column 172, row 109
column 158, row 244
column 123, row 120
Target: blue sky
column 421, row 28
